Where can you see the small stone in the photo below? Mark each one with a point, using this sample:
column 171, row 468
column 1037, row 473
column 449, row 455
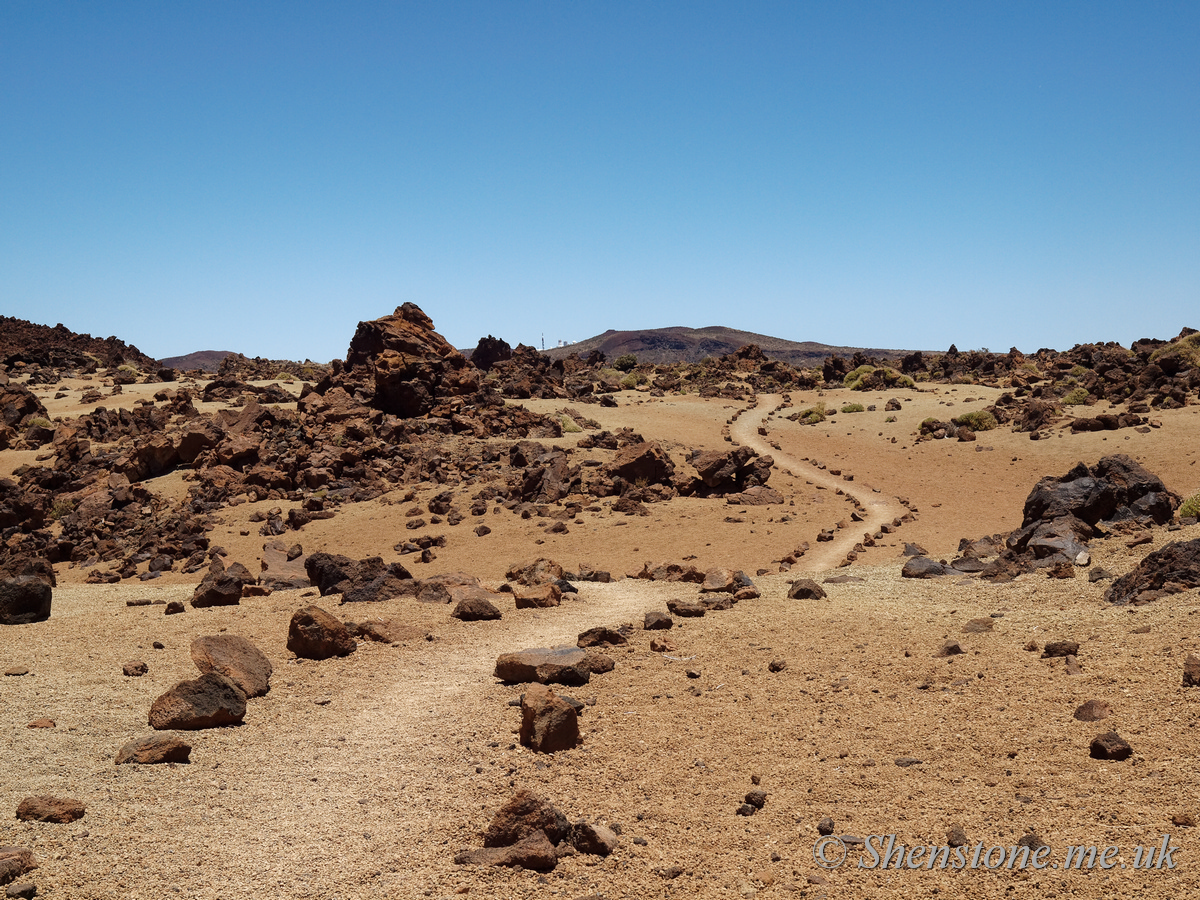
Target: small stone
column 173, row 608
column 25, row 891
column 956, row 836
column 1110, row 745
column 777, row 665
column 746, row 810
column 655, row 620
column 1183, row 820
column 825, row 826
column 1191, row 671
column 757, row 799
column 663, row 645
column 1060, row 648
column 1093, row 711
column 905, row 761
column 950, row 648
column 806, row 589
column 41, row 723
column 154, row 748
column 50, row 809
column 16, row 671
column 978, row 626
column 135, row 668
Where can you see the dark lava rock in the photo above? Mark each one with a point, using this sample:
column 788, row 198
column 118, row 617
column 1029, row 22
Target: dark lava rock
column 657, row 620
column 237, row 659
column 24, row 599
column 210, row 701
column 1060, row 648
column 922, row 567
column 1174, row 568
column 1110, row 745
column 806, row 589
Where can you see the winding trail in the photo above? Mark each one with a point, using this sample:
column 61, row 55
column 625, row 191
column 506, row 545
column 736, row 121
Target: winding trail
column 878, row 509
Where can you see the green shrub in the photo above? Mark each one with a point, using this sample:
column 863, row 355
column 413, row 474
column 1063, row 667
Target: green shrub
column 62, row 507
column 625, row 362
column 1079, row 371
column 569, row 426
column 853, row 379
column 127, row 369
column 980, row 420
column 1076, row 397
column 285, row 376
column 1191, row 506
column 853, row 408
column 810, row 416
column 1187, row 349
column 629, row 382
column 39, row 421
column 890, row 419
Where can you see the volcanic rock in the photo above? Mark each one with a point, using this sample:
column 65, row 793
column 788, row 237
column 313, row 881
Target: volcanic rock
column 1093, row 711
column 315, row 634
column 210, row 701
column 597, row 840
column 23, row 600
column 540, row 596
column 534, row 852
column 15, row 862
column 806, row 589
column 1174, row 568
column 922, row 567
column 474, row 607
column 50, row 809
column 601, row 636
column 1110, row 745
column 237, row 659
column 548, row 723
column 153, row 749
column 655, row 620
column 555, row 665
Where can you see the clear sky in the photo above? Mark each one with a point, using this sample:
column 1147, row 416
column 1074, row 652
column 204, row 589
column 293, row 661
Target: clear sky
column 261, row 176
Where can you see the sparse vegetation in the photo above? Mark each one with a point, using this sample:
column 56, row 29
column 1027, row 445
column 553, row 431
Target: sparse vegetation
column 871, row 378
column 625, row 362
column 569, row 426
column 1190, row 507
column 1076, row 397
column 39, row 422
column 853, row 408
column 810, row 416
column 1186, row 349
column 287, row 377
column 62, row 507
column 890, row 419
column 629, row 382
column 127, row 369
column 979, row 420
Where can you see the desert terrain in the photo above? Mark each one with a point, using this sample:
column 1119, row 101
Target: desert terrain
column 365, row 775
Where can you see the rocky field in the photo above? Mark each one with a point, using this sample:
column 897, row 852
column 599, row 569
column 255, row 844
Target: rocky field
column 425, row 627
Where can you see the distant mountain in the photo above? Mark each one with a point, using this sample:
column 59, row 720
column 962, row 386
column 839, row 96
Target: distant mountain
column 205, row 360
column 23, row 341
column 680, row 344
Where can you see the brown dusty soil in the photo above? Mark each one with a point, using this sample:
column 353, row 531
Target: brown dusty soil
column 362, row 777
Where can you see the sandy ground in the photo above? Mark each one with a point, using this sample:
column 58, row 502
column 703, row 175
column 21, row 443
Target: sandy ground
column 362, row 777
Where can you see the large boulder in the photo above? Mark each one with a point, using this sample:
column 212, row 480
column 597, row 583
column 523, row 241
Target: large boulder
column 367, row 579
column 1116, row 488
column 24, row 599
column 644, row 463
column 315, row 634
column 237, row 659
column 210, row 701
column 406, row 365
column 540, row 571
column 1171, row 570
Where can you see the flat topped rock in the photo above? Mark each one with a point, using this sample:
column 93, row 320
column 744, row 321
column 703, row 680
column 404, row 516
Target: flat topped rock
column 237, row 659
column 545, row 665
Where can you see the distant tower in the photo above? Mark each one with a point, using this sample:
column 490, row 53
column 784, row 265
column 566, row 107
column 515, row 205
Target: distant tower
column 543, row 340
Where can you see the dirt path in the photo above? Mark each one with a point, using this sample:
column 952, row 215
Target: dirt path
column 878, row 508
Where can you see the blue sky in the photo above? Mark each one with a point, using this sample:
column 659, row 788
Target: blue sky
column 261, row 176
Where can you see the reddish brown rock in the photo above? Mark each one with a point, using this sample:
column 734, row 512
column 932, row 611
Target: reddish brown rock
column 1093, row 711
column 50, row 809
column 1060, row 648
column 15, row 862
column 548, row 723
column 315, row 634
column 1110, row 745
column 806, row 589
column 534, row 852
column 601, row 636
column 540, row 571
column 554, row 665
column 475, row 608
column 663, row 645
column 686, row 608
column 647, row 463
column 237, row 659
column 542, row 596
column 524, row 814
column 209, row 701
column 41, row 723
column 598, row 663
column 597, row 840
column 1191, row 671
column 154, row 749
column 135, row 668
column 655, row 620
